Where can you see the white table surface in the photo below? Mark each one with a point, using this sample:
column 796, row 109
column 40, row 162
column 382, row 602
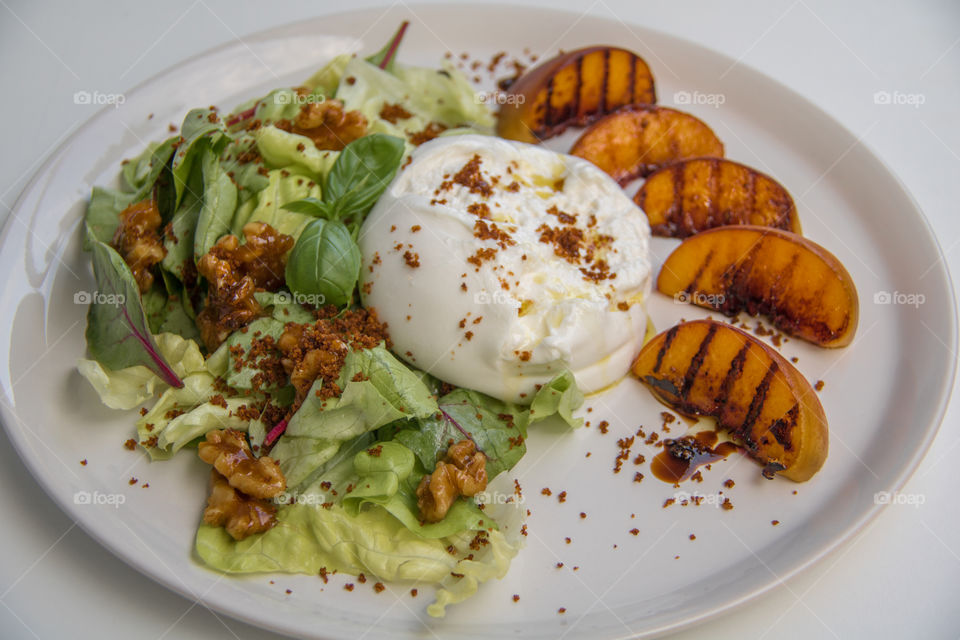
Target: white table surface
column 899, row 578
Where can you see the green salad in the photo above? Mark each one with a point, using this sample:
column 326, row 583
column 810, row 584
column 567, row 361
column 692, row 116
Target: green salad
column 227, row 312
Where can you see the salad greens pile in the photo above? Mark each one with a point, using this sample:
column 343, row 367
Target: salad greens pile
column 345, row 509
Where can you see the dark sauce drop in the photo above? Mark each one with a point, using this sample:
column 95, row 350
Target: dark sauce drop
column 681, row 457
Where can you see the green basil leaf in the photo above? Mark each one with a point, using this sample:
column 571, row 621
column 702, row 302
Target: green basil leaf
column 118, row 334
column 324, row 265
column 310, row 206
column 361, row 174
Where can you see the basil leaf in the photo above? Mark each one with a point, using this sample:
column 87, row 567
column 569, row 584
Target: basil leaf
column 118, row 335
column 324, row 265
column 219, row 204
column 311, row 207
column 361, row 174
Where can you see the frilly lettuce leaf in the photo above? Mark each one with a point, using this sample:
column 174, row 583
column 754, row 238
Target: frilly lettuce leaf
column 267, row 205
column 560, row 396
column 295, row 153
column 388, row 475
column 385, row 391
column 308, row 538
column 131, row 386
column 327, row 79
column 430, row 95
column 197, row 389
column 197, row 422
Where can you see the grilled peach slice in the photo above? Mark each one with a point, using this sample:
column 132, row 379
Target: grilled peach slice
column 638, row 139
column 702, row 193
column 798, row 284
column 573, row 88
column 768, row 408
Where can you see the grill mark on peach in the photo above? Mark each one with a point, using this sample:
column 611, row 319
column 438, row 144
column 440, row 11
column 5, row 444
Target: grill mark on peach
column 695, row 283
column 756, row 403
column 667, row 340
column 578, row 99
column 679, row 186
column 732, row 375
column 633, row 80
column 548, row 121
column 782, row 427
column 697, row 361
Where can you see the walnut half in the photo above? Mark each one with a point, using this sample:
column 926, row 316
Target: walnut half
column 227, row 450
column 137, row 240
column 239, row 514
column 463, row 472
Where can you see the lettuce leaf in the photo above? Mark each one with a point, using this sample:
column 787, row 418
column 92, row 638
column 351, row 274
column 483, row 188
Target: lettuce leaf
column 386, row 391
column 267, row 205
column 295, row 153
column 388, row 475
column 132, row 386
column 308, row 538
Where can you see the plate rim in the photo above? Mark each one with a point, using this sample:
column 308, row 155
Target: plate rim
column 18, row 438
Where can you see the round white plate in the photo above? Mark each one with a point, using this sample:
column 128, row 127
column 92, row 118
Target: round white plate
column 884, row 395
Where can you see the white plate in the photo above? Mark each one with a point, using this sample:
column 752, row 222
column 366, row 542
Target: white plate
column 884, row 395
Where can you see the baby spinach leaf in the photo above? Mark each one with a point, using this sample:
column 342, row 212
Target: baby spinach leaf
column 200, row 127
column 118, row 335
column 103, row 214
column 324, row 265
column 219, row 203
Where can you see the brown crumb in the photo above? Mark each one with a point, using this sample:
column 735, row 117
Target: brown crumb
column 378, row 587
column 348, row 586
column 413, row 593
column 83, row 463
column 516, row 598
column 774, row 522
column 819, row 385
column 132, row 481
column 635, row 531
column 130, row 444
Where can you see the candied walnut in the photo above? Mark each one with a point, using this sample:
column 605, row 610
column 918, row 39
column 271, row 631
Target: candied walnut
column 227, row 450
column 328, row 125
column 317, row 351
column 138, row 241
column 239, row 514
column 463, row 472
column 234, row 272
